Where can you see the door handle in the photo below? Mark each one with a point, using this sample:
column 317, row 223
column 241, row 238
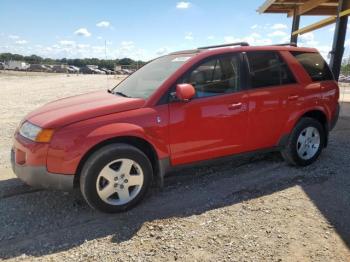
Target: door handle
column 293, row 97
column 235, row 106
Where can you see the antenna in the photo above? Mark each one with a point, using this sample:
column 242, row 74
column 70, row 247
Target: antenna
column 105, row 49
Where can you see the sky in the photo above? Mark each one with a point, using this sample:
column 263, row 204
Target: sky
column 143, row 29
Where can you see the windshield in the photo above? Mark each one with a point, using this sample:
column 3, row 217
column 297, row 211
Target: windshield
column 148, row 78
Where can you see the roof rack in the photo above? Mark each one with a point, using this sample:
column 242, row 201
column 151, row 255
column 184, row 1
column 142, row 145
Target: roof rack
column 287, row 44
column 184, row 52
column 225, row 45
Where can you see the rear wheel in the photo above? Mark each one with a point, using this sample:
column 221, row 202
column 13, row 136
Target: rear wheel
column 115, row 178
column 305, row 143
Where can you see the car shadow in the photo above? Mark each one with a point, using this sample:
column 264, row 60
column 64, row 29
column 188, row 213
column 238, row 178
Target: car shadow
column 42, row 222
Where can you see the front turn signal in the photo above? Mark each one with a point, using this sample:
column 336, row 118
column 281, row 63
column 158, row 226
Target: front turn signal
column 44, row 136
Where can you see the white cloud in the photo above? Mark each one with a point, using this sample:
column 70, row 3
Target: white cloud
column 254, row 26
column 279, row 27
column 98, row 49
column 189, row 36
column 308, row 40
column 255, row 35
column 103, row 24
column 129, row 49
column 83, row 46
column 307, row 37
column 66, row 43
column 210, row 37
column 277, row 33
column 183, row 5
column 21, row 42
column 99, row 37
column 13, row 36
column 82, row 32
column 127, row 45
column 162, row 51
column 253, row 39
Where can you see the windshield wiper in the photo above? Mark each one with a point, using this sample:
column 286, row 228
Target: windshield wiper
column 120, row 94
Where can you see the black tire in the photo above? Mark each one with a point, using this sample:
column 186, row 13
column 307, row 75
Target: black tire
column 290, row 154
column 98, row 160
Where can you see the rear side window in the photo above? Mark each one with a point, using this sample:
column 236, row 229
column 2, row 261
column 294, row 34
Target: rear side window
column 314, row 65
column 268, row 69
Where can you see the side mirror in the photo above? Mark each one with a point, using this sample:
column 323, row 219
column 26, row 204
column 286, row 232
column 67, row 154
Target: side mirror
column 185, row 92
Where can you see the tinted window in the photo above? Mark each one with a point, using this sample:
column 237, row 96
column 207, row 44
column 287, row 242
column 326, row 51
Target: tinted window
column 216, row 76
column 268, row 69
column 314, row 65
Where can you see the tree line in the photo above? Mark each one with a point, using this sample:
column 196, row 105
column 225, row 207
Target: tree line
column 103, row 63
column 345, row 67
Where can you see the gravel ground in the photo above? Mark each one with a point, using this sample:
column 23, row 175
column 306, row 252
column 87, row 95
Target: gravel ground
column 22, row 92
column 249, row 209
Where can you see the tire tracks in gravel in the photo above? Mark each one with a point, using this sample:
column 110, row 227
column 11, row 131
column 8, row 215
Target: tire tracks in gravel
column 23, row 192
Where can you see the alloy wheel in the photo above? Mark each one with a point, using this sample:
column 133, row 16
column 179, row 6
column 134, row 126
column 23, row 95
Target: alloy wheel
column 119, row 181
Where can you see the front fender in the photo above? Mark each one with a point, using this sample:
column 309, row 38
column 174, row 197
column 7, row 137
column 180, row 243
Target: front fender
column 70, row 144
column 116, row 130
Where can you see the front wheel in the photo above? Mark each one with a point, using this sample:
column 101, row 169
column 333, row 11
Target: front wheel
column 115, row 178
column 305, row 143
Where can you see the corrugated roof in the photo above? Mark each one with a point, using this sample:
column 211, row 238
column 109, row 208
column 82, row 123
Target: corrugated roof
column 302, row 7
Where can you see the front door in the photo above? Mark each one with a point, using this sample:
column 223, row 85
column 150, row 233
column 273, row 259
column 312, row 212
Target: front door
column 214, row 122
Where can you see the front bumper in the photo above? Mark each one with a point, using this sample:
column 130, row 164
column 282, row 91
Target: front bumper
column 38, row 176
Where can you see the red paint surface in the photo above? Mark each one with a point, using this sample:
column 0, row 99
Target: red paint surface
column 186, row 132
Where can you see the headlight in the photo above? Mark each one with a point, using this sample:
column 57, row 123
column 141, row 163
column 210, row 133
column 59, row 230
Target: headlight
column 35, row 133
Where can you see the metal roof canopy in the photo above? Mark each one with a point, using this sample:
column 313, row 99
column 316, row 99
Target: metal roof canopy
column 336, row 10
column 301, row 7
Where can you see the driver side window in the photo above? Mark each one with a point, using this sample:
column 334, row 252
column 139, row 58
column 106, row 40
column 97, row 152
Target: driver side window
column 216, row 76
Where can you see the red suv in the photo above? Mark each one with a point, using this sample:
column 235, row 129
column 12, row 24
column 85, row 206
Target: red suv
column 179, row 109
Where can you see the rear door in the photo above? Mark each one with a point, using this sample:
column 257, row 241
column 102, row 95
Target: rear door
column 273, row 96
column 323, row 82
column 214, row 122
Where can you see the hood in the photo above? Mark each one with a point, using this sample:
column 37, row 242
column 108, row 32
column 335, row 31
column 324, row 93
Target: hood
column 77, row 108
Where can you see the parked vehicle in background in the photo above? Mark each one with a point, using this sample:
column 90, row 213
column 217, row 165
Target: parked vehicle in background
column 91, row 69
column 2, row 66
column 127, row 71
column 60, row 68
column 343, row 78
column 178, row 110
column 347, row 79
column 39, row 68
column 73, row 69
column 16, row 65
column 107, row 71
column 87, row 70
